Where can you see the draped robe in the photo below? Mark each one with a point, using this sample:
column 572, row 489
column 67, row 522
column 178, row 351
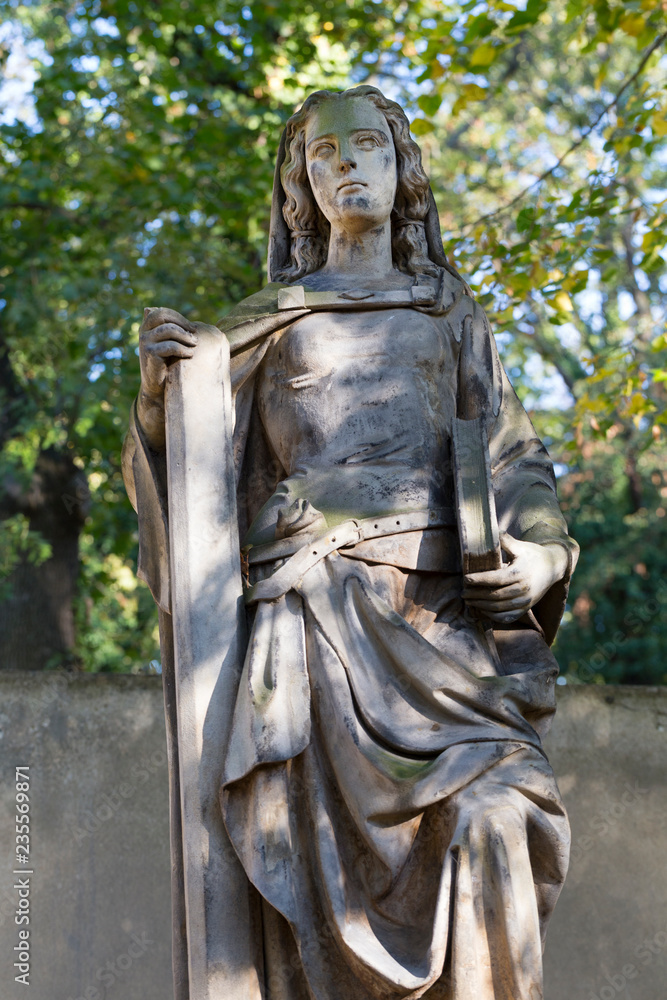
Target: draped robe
column 385, row 786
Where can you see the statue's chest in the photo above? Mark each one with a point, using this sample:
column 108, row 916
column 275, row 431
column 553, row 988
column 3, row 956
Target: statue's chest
column 336, row 386
column 362, row 346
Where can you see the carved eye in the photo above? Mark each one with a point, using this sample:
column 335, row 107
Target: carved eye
column 367, row 141
column 323, row 149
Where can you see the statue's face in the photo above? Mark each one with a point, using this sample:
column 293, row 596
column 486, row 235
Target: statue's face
column 351, row 163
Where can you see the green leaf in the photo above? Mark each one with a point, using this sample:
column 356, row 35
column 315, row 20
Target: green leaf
column 484, row 55
column 524, row 18
column 429, row 104
column 421, row 127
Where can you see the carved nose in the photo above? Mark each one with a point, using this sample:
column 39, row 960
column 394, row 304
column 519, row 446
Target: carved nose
column 347, row 163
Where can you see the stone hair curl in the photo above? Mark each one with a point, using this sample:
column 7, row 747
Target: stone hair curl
column 308, row 227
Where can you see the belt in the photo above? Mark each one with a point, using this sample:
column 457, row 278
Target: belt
column 301, row 558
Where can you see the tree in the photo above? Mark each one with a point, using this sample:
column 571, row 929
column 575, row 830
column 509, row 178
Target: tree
column 548, row 126
column 146, row 179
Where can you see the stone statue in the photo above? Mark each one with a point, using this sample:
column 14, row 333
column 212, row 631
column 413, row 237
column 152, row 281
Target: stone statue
column 377, row 818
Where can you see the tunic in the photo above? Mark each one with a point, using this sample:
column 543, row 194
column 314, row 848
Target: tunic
column 385, row 785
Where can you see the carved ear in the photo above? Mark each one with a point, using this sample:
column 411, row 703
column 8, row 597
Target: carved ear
column 279, row 234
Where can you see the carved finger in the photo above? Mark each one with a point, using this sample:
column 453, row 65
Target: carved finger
column 516, row 604
column 512, row 546
column 497, row 593
column 170, row 349
column 504, row 618
column 492, row 578
column 157, row 317
column 170, row 331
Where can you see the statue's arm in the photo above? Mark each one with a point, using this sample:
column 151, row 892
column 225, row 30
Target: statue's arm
column 166, row 336
column 527, row 502
column 145, row 476
column 523, row 479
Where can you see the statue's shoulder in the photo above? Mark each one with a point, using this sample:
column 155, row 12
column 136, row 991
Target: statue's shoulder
column 255, row 318
column 261, row 303
column 277, row 304
column 456, row 304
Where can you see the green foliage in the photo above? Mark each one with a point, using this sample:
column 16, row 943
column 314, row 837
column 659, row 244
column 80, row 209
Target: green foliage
column 546, row 128
column 17, row 541
column 116, row 620
column 616, row 628
column 145, row 179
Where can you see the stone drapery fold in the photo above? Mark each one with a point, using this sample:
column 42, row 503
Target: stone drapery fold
column 387, row 822
column 385, row 787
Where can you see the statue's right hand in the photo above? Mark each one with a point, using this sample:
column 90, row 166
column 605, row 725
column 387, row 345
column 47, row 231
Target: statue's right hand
column 164, row 337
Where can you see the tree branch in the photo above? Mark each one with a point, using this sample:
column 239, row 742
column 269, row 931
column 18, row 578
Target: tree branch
column 549, row 347
column 38, row 206
column 575, row 145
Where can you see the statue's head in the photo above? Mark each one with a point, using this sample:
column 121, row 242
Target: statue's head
column 350, row 160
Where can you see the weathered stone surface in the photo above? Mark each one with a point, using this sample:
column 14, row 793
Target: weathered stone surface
column 98, row 881
column 383, row 785
column 208, row 620
column 608, row 937
column 100, row 914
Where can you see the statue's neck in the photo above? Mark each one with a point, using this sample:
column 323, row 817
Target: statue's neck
column 361, row 256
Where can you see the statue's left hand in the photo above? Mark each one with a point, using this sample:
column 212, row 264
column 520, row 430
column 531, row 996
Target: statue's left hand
column 505, row 594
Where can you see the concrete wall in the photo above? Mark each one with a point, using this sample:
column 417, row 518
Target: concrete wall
column 608, row 939
column 99, row 905
column 99, row 895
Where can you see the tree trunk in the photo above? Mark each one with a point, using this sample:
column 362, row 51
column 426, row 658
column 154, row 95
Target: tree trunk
column 634, row 480
column 37, row 618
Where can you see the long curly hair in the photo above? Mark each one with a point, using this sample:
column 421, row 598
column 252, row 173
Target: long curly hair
column 308, row 227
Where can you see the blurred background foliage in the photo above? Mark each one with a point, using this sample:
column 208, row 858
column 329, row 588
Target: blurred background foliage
column 138, row 142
